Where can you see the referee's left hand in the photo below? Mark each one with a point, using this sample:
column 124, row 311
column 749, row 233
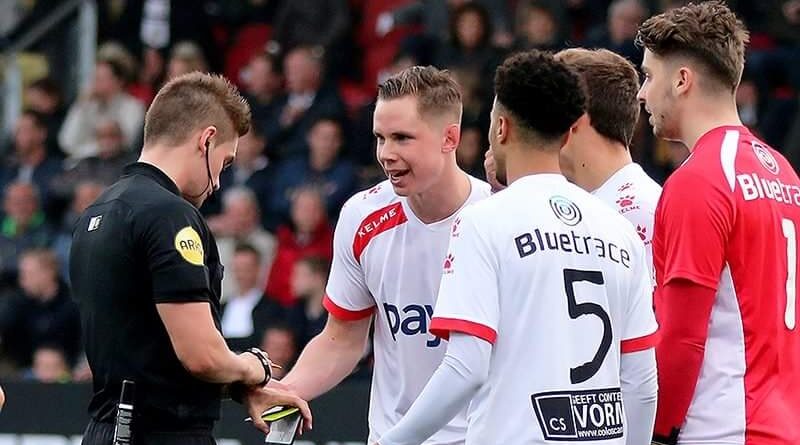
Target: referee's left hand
column 258, row 400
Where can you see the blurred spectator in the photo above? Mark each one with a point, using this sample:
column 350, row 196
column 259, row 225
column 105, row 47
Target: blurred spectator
column 158, row 24
column 44, row 97
column 309, row 278
column 307, row 99
column 40, row 313
column 246, row 314
column 150, row 76
column 252, row 169
column 49, row 365
column 280, row 344
column 106, row 99
column 477, row 94
column 321, row 23
column 747, row 102
column 322, row 167
column 434, row 15
column 86, row 192
column 537, row 27
column 82, row 373
column 469, row 45
column 23, row 226
column 240, row 223
column 185, row 58
column 308, row 234
column 618, row 34
column 30, row 161
column 469, row 154
column 263, row 84
column 105, row 167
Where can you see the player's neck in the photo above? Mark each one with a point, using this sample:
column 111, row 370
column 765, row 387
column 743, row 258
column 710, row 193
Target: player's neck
column 708, row 115
column 610, row 157
column 443, row 199
column 531, row 161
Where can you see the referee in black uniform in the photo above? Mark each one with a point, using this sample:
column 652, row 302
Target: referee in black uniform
column 146, row 273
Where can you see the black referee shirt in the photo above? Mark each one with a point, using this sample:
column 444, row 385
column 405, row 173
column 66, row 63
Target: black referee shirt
column 138, row 245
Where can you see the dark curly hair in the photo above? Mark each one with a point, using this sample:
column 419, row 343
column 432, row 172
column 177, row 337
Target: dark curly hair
column 542, row 94
column 709, row 33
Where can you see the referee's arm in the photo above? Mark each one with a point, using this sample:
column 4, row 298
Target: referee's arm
column 202, row 350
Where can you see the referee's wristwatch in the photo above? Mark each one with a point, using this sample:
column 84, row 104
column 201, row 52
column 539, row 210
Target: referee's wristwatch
column 265, row 363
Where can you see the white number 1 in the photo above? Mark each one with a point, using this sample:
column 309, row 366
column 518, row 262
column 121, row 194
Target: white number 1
column 791, row 277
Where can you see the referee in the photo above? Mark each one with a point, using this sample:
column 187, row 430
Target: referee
column 146, row 273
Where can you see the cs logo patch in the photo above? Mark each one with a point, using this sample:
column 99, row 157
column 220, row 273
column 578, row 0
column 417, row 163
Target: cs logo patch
column 188, row 244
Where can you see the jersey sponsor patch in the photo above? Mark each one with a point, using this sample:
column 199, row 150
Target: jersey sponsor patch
column 575, row 416
column 566, row 210
column 765, row 157
column 188, row 244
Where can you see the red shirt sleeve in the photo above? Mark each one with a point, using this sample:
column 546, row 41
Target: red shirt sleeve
column 683, row 315
column 693, row 221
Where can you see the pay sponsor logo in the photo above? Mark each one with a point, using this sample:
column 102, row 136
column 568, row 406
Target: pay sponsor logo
column 410, row 320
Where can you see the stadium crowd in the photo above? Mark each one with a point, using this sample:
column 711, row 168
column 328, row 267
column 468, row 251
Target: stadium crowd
column 309, row 69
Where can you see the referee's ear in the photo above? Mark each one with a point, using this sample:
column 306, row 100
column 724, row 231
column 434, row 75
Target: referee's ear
column 207, row 137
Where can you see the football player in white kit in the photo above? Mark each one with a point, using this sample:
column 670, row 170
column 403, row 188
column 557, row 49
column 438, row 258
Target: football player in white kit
column 597, row 157
column 545, row 296
column 389, row 246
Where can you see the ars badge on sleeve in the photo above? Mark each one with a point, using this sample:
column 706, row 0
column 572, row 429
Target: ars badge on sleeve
column 189, row 245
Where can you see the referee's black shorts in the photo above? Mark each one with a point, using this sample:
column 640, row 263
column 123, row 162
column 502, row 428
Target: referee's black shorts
column 98, row 433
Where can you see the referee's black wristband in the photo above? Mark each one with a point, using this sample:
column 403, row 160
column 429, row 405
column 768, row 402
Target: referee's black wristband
column 262, row 357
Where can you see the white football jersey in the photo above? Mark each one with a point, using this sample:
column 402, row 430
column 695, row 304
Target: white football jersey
column 558, row 283
column 634, row 195
column 388, row 262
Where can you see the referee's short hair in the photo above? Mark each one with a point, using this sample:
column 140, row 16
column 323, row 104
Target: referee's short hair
column 193, row 101
column 436, row 90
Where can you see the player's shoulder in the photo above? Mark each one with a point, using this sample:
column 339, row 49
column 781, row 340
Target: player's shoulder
column 480, row 189
column 369, row 201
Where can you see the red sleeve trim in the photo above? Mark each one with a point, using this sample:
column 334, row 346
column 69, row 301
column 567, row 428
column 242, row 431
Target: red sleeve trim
column 345, row 314
column 640, row 343
column 442, row 327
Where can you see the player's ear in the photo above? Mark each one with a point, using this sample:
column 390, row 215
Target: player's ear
column 683, row 80
column 565, row 139
column 452, row 137
column 582, row 123
column 502, row 129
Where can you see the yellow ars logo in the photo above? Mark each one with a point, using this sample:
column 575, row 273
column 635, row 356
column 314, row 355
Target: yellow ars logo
column 188, row 244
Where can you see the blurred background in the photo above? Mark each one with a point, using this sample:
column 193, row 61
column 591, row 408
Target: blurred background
column 78, row 75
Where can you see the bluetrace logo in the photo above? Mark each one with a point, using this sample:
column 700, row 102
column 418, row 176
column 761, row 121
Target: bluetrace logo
column 566, row 210
column 765, row 157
